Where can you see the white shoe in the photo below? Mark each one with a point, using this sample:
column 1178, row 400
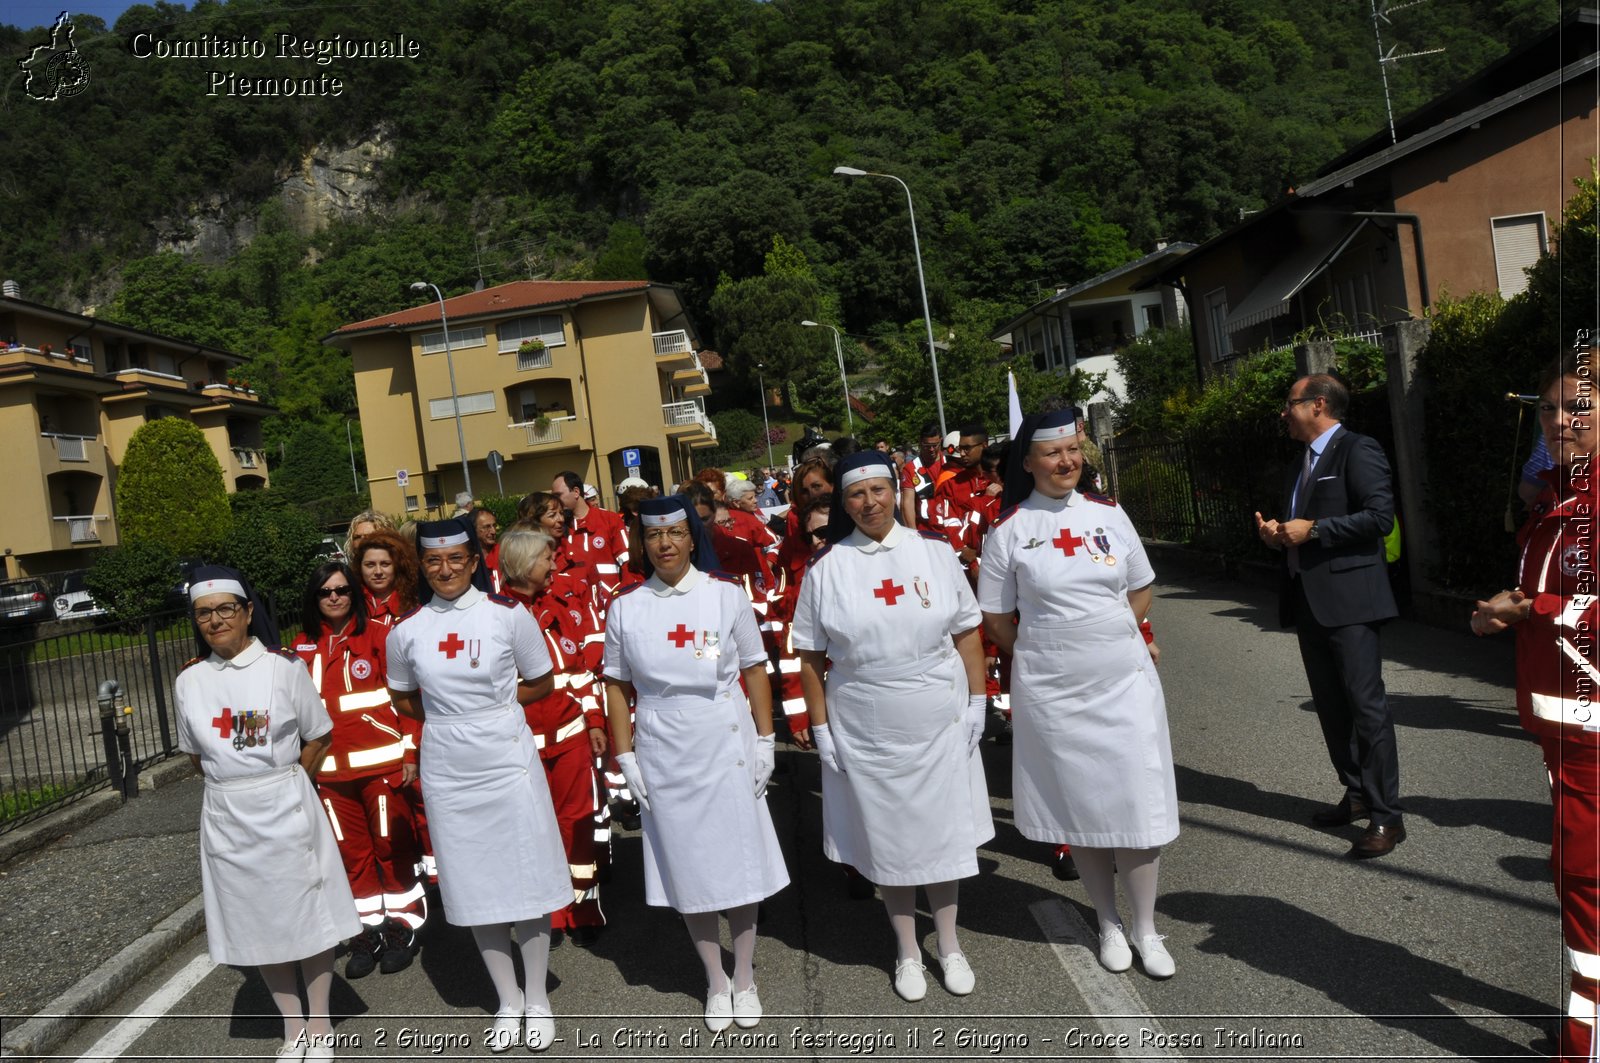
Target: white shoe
column 908, row 980
column 539, row 1027
column 958, row 976
column 295, row 1049
column 506, row 1032
column 1115, row 956
column 746, row 1008
column 719, row 1009
column 319, row 1049
column 1157, row 960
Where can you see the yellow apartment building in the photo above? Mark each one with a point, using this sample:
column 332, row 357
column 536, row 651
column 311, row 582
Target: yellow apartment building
column 72, row 391
column 551, row 375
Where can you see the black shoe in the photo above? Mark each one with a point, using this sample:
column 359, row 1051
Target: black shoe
column 364, row 949
column 556, row 938
column 1065, row 870
column 1345, row 812
column 585, row 936
column 1378, row 841
column 399, row 947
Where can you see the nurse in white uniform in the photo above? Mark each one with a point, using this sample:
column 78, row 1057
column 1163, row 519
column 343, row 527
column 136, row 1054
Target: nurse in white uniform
column 898, row 717
column 276, row 895
column 698, row 755
column 465, row 662
column 1092, row 763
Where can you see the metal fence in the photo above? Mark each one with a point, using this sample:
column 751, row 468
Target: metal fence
column 55, row 745
column 1204, row 489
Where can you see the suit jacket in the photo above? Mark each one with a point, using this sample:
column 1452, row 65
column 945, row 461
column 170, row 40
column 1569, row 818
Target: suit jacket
column 1342, row 570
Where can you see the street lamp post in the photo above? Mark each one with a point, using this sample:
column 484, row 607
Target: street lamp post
column 449, row 361
column 767, row 428
column 838, row 351
column 916, row 246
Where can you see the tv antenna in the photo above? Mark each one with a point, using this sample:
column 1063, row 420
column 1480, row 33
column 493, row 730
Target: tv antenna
column 1380, row 13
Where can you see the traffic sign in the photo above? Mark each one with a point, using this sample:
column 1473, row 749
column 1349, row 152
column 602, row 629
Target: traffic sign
column 495, row 461
column 402, row 478
column 630, row 457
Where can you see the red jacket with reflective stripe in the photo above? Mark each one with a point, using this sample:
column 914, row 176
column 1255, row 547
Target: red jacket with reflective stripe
column 1558, row 682
column 350, row 673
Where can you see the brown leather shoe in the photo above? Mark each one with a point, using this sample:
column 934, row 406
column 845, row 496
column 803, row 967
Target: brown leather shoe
column 1378, row 841
column 1347, row 811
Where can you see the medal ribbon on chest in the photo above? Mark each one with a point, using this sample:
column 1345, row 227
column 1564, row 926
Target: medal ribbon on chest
column 919, row 587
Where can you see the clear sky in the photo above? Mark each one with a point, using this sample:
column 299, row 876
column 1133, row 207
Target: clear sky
column 30, row 13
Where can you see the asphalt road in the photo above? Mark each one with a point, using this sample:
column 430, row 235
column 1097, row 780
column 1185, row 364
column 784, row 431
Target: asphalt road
column 1448, row 948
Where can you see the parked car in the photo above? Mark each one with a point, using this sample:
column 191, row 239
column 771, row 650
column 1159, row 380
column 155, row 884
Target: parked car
column 75, row 602
column 332, row 549
column 25, row 600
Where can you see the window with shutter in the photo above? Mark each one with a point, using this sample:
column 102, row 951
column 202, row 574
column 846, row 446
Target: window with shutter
column 1518, row 243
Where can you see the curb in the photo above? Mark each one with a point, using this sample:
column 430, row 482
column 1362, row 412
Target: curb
column 86, row 810
column 63, row 1015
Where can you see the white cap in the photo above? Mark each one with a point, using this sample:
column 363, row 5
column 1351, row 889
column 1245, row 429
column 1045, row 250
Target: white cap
column 631, row 482
column 590, row 491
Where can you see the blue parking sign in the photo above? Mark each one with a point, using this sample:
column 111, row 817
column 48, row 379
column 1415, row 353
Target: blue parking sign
column 630, row 457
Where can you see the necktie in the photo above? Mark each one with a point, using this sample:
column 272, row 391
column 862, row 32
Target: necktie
column 1302, row 490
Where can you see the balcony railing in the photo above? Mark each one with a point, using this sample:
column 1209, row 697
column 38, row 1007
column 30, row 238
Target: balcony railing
column 82, row 528
column 140, row 371
column 674, row 342
column 70, row 448
column 246, row 457
column 679, row 414
column 534, row 360
column 548, row 432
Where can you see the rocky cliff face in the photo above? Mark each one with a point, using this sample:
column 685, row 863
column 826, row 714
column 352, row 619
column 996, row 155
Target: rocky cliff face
column 329, row 183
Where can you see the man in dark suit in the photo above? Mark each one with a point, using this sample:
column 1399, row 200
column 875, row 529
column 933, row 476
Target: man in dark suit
column 1335, row 592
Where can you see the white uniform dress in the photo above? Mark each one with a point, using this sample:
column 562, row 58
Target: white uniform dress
column 274, row 885
column 489, row 811
column 911, row 806
column 1091, row 760
column 709, row 844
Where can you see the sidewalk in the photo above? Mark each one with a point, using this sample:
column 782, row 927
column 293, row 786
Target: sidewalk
column 96, row 896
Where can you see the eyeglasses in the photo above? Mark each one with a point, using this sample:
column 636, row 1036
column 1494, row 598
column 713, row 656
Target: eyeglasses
column 725, row 523
column 452, row 560
column 675, row 534
column 334, row 592
column 1290, row 404
column 221, row 612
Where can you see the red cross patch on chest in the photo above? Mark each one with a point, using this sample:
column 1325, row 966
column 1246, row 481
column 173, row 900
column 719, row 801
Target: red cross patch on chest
column 451, row 646
column 889, row 591
column 1068, row 542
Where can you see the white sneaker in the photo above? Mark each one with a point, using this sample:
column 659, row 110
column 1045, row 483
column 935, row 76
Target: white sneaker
column 746, row 1008
column 958, row 976
column 1157, row 960
column 295, row 1049
column 1115, row 956
column 320, row 1049
column 538, row 1027
column 719, row 1009
column 908, row 980
column 506, row 1033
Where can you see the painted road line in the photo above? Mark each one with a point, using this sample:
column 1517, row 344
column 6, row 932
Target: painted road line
column 1128, row 1028
column 122, row 1036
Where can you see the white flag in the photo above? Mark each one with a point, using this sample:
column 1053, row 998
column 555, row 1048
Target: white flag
column 1013, row 404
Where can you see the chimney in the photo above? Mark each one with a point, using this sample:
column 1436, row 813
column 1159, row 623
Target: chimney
column 11, row 290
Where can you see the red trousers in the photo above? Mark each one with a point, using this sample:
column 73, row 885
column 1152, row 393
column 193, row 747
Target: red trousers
column 372, row 822
column 1574, row 764
column 575, row 790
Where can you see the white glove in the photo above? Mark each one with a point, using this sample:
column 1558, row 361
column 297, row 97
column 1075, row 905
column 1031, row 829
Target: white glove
column 823, row 737
column 629, row 763
column 766, row 760
column 977, row 715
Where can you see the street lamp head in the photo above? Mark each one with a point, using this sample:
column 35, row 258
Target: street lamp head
column 419, row 286
column 848, row 171
column 809, row 324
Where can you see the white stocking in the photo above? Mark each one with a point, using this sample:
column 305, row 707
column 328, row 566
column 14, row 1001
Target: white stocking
column 283, row 982
column 1139, row 870
column 742, row 927
column 534, row 937
column 901, row 901
column 705, row 932
column 1099, row 873
column 494, row 945
column 942, row 899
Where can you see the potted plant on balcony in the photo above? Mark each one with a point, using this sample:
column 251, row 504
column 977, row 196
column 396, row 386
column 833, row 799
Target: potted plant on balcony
column 531, row 348
column 542, row 423
column 46, row 349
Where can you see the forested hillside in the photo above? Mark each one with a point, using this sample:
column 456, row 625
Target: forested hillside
column 1044, row 140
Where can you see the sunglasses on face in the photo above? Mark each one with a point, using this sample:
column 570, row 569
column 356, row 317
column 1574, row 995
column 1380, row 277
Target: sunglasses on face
column 334, row 592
